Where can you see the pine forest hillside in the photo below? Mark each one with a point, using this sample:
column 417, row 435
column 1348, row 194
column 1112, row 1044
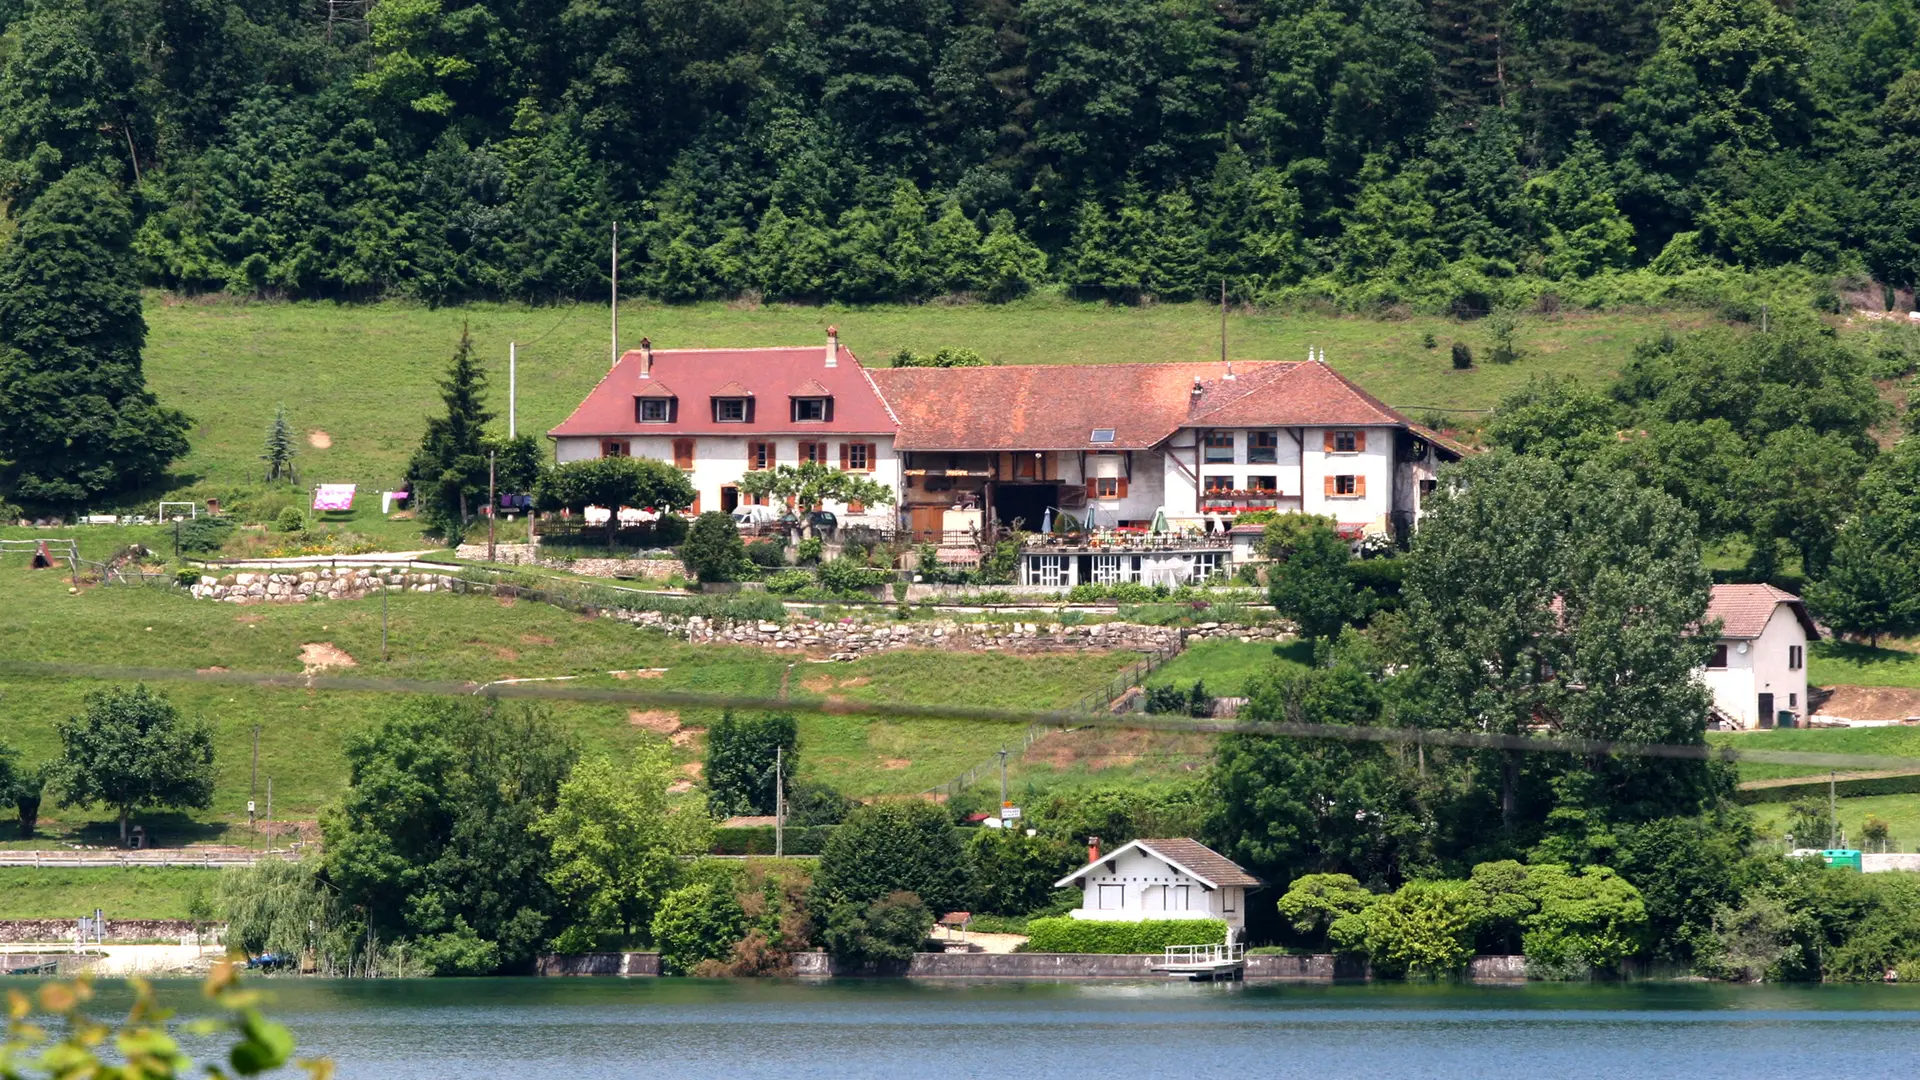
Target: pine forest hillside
column 1448, row 155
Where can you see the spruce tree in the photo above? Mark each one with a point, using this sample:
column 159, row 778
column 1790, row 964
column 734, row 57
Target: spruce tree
column 450, row 469
column 278, row 453
column 76, row 418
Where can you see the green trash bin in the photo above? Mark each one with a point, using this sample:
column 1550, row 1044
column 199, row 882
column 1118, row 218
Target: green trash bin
column 1783, row 718
column 1845, row 858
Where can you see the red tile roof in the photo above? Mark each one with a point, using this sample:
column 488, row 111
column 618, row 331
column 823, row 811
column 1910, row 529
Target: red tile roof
column 769, row 375
column 1058, row 406
column 1743, row 610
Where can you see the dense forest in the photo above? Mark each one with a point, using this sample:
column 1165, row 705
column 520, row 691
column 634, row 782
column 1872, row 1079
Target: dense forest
column 1443, row 153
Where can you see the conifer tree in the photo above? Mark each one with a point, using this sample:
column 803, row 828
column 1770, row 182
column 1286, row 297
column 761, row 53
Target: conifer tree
column 450, row 468
column 1010, row 264
column 279, row 446
column 953, row 251
column 76, row 418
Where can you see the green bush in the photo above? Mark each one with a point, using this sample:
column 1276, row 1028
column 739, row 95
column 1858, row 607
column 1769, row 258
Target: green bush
column 204, row 535
column 892, row 847
column 758, row 840
column 291, row 519
column 1462, row 356
column 696, row 922
column 809, row 551
column 1013, row 873
column 790, row 581
column 713, row 551
column 844, row 575
column 742, row 752
column 1069, row 935
column 767, row 554
column 892, row 928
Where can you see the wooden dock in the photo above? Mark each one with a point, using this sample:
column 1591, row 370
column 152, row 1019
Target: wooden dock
column 1204, row 963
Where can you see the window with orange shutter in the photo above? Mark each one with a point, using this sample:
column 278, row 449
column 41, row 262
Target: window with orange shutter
column 683, row 453
column 1345, row 486
column 1343, row 442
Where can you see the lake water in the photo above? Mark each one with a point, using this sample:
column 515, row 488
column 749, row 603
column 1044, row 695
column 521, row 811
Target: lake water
column 536, row 1029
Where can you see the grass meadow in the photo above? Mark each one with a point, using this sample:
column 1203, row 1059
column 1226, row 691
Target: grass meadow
column 359, row 380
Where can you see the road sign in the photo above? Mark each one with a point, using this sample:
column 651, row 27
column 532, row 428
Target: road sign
column 1009, row 813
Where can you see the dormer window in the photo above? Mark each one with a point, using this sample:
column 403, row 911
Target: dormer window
column 730, row 410
column 810, row 410
column 652, row 410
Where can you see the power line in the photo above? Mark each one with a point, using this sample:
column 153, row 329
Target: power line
column 1420, row 737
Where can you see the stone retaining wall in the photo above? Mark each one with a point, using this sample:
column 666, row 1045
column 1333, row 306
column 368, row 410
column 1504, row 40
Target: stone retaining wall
column 16, row 931
column 629, row 964
column 845, row 639
column 980, row 965
column 525, row 555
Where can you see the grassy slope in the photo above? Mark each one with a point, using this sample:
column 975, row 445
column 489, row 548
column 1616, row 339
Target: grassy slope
column 1843, row 664
column 141, row 893
column 1225, row 666
column 440, row 637
column 366, row 374
column 1900, row 812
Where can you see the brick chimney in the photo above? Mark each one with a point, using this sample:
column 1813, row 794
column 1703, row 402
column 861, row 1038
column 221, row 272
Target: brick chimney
column 833, row 346
column 646, row 358
column 1093, row 850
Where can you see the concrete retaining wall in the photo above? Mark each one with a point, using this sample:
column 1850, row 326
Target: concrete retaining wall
column 1876, row 864
column 1497, row 969
column 630, row 964
column 1317, row 968
column 14, row 931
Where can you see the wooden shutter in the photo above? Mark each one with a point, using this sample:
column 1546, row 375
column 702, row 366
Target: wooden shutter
column 1328, row 434
column 773, row 453
column 843, row 457
column 856, row 507
column 1360, row 442
column 683, row 453
column 1360, row 486
column 749, row 410
column 1122, row 487
column 826, row 413
column 873, row 456
column 1331, row 488
column 1093, row 487
column 695, row 508
column 673, row 410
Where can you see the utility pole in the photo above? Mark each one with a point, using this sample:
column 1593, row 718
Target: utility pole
column 253, row 777
column 779, row 801
column 1223, row 320
column 513, row 385
column 492, row 500
column 269, row 807
column 385, row 588
column 613, row 344
column 1003, row 783
column 1833, row 809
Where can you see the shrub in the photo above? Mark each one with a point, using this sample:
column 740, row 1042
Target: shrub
column 695, row 923
column 713, row 551
column 204, row 535
column 1069, row 935
column 891, row 928
column 291, row 519
column 892, row 847
column 1329, row 905
column 811, row 802
column 741, row 756
column 758, row 840
column 845, row 575
column 809, row 551
column 1594, row 918
column 789, row 581
column 1428, row 341
column 1013, row 873
column 767, row 554
column 1427, row 928
column 1462, row 356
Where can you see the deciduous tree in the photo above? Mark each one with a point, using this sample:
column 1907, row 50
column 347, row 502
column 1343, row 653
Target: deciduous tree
column 131, row 750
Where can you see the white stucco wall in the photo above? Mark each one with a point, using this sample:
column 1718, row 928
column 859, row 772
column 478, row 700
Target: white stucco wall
column 722, row 460
column 1375, row 463
column 1762, row 669
column 1150, row 889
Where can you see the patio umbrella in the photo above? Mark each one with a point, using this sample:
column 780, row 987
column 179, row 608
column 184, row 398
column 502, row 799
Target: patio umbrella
column 1046, row 520
column 1159, row 521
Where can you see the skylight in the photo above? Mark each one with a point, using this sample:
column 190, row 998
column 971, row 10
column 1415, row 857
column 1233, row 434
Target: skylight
column 1102, row 435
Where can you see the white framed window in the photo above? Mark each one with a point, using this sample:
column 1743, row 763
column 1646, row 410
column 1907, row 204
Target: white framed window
column 809, row 410
column 1179, row 897
column 1114, row 569
column 1226, row 900
column 652, row 410
column 1049, row 570
column 1208, row 563
column 1346, row 485
column 1110, row 897
column 1796, row 657
column 1346, row 442
column 1219, row 447
column 858, row 459
column 730, row 410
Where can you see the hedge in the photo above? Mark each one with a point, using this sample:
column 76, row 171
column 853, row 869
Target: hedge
column 1068, row 935
column 1817, row 785
column 758, row 840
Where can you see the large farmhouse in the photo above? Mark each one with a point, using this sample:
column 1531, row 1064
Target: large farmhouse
column 1758, row 669
column 1154, row 458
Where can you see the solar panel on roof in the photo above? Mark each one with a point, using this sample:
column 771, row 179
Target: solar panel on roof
column 1102, row 434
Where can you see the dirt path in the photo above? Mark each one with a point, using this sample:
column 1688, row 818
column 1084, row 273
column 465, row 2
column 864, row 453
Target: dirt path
column 1790, row 781
column 1869, row 703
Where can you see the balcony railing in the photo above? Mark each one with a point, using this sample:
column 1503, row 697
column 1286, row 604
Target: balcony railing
column 1125, row 542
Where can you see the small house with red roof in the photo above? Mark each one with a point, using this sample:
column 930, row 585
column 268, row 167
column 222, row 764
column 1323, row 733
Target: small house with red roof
column 1168, row 453
column 1758, row 670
